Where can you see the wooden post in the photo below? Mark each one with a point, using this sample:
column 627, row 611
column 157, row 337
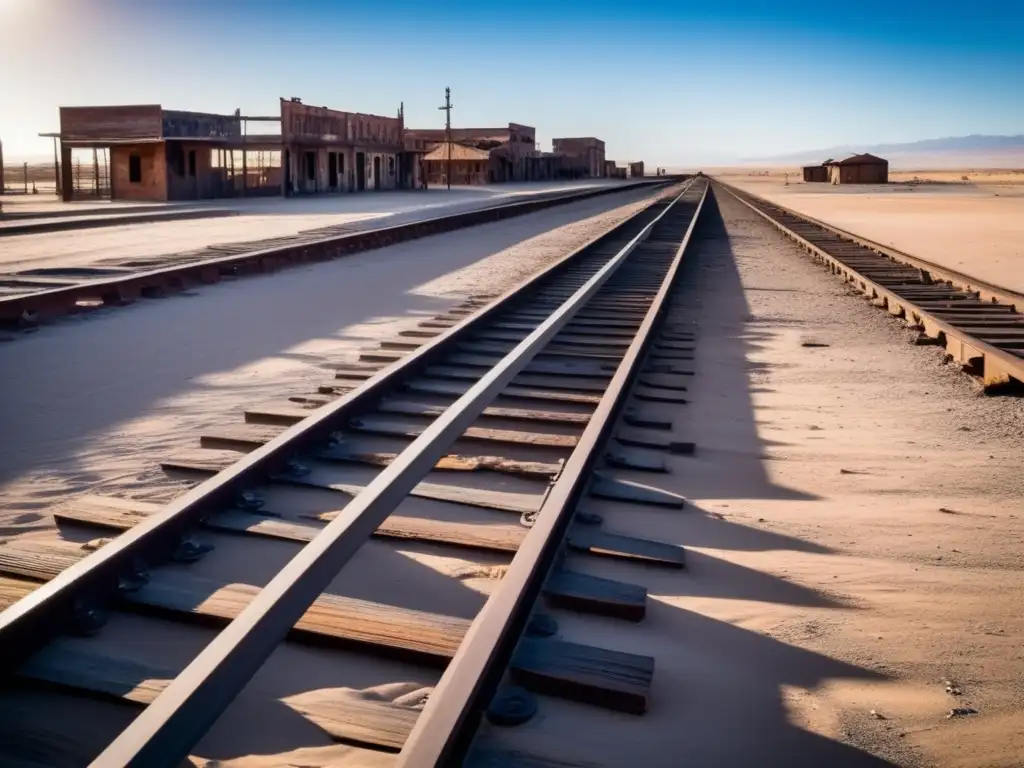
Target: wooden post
column 66, row 185
column 24, row 169
column 96, row 172
column 56, row 168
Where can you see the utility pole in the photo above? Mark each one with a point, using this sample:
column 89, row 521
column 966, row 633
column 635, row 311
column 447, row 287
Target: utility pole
column 448, row 107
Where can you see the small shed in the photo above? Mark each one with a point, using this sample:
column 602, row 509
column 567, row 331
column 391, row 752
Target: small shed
column 816, row 172
column 859, row 169
column 468, row 164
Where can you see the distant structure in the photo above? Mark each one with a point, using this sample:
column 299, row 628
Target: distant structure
column 636, row 170
column 859, row 169
column 512, row 153
column 156, row 154
column 469, row 165
column 817, row 173
column 584, row 156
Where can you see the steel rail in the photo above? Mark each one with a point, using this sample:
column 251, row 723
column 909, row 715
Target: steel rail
column 986, row 291
column 48, row 610
column 27, row 308
column 998, row 367
column 164, row 733
column 442, row 731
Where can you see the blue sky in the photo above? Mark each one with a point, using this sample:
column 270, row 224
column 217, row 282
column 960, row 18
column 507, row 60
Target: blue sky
column 673, row 83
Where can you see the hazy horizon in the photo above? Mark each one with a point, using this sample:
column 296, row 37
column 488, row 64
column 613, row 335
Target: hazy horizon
column 673, row 86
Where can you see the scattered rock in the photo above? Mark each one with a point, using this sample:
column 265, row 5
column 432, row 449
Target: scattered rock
column 961, row 712
column 953, row 689
column 948, row 511
column 760, row 519
column 815, row 344
column 964, row 429
column 878, row 715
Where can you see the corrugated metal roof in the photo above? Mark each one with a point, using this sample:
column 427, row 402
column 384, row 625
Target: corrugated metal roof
column 459, row 152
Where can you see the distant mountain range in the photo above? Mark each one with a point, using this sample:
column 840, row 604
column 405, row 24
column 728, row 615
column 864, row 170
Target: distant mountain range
column 951, row 152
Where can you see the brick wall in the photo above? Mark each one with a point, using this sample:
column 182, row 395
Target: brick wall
column 153, row 183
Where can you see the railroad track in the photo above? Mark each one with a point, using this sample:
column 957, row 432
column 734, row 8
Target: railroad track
column 980, row 325
column 34, row 296
column 494, row 429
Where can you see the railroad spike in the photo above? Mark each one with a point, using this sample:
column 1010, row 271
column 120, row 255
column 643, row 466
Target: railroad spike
column 541, row 625
column 189, row 550
column 134, row 578
column 512, row 705
column 249, row 501
column 87, row 618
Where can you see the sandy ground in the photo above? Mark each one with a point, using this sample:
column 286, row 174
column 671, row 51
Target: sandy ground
column 95, row 401
column 976, row 228
column 257, row 220
column 854, row 543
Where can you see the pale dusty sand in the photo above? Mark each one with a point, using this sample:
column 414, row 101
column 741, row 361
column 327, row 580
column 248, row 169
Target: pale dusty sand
column 978, row 230
column 257, row 220
column 824, row 580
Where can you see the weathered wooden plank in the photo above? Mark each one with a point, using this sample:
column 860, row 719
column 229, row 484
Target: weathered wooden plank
column 636, row 417
column 664, row 381
column 428, row 386
column 581, row 340
column 594, row 541
column 631, row 459
column 557, row 368
column 605, row 330
column 122, row 514
column 495, row 538
column 211, row 461
column 450, row 463
column 609, row 487
column 283, row 414
column 552, row 351
column 377, row 425
column 355, row 719
column 597, row 676
column 541, row 381
column 651, row 395
column 429, row 637
column 412, row 408
column 638, row 440
column 350, row 452
column 580, row 319
column 481, row 498
column 591, row 594
column 279, row 414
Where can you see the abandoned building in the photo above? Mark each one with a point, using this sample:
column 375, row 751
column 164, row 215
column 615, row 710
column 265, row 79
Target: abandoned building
column 512, row 151
column 817, row 173
column 859, row 169
column 327, row 150
column 467, row 165
column 584, row 156
column 636, row 170
column 155, row 154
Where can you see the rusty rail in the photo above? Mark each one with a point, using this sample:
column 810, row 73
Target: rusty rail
column 981, row 325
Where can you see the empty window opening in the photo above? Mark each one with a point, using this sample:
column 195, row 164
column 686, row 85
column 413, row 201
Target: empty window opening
column 134, row 169
column 192, row 163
